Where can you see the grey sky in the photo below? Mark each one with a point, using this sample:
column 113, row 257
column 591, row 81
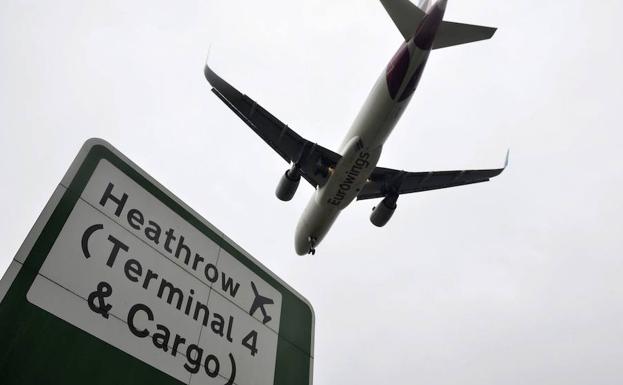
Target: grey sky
column 516, row 281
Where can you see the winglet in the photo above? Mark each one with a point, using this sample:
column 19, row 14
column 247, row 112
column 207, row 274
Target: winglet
column 219, row 86
column 207, row 71
column 208, row 56
column 215, row 81
column 508, row 153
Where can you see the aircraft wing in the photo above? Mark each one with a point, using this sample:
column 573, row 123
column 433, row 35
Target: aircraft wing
column 386, row 181
column 312, row 159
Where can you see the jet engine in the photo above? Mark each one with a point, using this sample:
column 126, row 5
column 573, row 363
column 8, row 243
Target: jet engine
column 382, row 213
column 288, row 184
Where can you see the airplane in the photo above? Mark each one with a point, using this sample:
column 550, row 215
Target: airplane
column 258, row 303
column 351, row 173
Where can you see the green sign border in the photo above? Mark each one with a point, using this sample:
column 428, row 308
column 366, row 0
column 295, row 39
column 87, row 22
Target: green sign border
column 37, row 347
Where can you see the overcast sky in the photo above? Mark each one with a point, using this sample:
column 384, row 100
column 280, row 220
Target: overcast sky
column 515, row 281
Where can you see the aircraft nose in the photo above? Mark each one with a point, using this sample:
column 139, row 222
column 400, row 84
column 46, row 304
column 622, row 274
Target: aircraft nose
column 301, row 246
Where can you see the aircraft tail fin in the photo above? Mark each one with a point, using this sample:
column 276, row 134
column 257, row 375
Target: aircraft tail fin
column 406, row 15
column 451, row 34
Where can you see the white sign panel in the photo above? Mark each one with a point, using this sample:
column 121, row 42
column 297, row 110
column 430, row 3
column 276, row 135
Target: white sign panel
column 128, row 270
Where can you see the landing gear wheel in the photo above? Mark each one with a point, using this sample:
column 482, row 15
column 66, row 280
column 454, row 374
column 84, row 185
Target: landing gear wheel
column 312, row 244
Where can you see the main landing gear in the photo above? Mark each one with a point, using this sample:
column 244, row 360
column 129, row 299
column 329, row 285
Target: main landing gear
column 312, row 245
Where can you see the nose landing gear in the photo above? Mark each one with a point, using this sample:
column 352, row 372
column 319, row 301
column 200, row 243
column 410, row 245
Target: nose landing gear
column 312, row 245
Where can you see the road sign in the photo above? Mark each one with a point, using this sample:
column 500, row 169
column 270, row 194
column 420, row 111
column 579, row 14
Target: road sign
column 119, row 282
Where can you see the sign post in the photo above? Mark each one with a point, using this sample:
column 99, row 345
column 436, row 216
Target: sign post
column 119, row 282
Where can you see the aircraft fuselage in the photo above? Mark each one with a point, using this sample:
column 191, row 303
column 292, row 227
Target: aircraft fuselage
column 363, row 144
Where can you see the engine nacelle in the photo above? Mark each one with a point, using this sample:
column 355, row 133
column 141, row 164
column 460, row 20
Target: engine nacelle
column 382, row 213
column 288, row 184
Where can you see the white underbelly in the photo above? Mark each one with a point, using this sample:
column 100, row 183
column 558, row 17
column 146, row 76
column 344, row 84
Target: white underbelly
column 360, row 151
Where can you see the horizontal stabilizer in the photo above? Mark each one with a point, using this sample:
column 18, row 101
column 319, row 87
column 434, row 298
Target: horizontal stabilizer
column 450, row 34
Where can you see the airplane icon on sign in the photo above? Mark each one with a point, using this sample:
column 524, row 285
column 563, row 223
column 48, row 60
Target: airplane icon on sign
column 259, row 302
